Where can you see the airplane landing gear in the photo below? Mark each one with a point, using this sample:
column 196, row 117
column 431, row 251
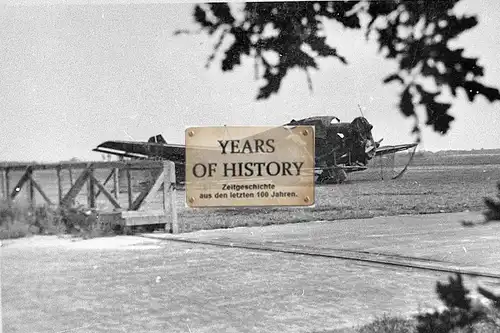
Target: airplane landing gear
column 332, row 176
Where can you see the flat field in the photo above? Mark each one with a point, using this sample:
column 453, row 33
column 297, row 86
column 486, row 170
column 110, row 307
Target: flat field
column 132, row 284
column 424, row 188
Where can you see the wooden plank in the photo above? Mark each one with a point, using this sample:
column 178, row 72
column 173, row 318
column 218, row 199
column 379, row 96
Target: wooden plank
column 76, row 188
column 20, row 184
column 141, row 213
column 139, row 164
column 169, row 191
column 129, row 188
column 105, row 192
column 91, row 189
column 116, row 184
column 135, row 218
column 7, row 185
column 71, row 183
column 39, row 189
column 105, row 182
column 166, row 197
column 4, row 192
column 110, row 218
column 59, row 185
column 31, row 188
column 148, row 193
column 144, row 220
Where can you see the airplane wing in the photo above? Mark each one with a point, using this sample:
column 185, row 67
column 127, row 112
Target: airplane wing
column 394, row 149
column 173, row 152
column 346, row 168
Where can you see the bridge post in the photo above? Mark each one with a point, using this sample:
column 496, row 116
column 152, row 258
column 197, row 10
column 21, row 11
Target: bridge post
column 170, row 197
column 59, row 184
column 70, row 172
column 7, row 186
column 91, row 188
column 129, row 186
column 4, row 193
column 116, row 183
column 31, row 189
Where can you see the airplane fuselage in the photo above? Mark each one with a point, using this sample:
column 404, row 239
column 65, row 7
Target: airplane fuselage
column 337, row 145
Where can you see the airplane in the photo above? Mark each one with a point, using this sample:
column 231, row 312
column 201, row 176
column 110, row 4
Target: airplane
column 340, row 148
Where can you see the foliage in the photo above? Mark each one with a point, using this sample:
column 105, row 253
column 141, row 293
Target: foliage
column 82, row 222
column 18, row 220
column 493, row 211
column 460, row 314
column 416, row 34
column 387, row 324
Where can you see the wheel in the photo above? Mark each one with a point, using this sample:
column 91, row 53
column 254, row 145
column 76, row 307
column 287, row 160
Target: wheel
column 341, row 175
column 332, row 176
column 150, row 228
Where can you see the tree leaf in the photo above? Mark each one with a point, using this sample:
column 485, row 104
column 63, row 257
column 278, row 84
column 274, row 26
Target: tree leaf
column 438, row 117
column 393, row 77
column 201, row 17
column 406, row 103
column 473, row 89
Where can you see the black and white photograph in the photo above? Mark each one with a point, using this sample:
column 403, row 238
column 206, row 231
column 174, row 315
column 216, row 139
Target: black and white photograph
column 267, row 166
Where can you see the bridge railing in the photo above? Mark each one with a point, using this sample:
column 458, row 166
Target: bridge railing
column 157, row 176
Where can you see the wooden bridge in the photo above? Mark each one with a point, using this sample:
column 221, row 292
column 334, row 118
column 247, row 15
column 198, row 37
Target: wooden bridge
column 133, row 210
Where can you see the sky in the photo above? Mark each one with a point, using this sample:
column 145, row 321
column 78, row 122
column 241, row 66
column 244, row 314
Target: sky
column 73, row 76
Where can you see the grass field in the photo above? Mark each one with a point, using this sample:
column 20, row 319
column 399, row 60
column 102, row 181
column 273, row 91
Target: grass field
column 422, row 190
column 443, row 158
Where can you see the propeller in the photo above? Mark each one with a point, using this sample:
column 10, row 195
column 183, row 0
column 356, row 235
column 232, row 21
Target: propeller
column 371, row 148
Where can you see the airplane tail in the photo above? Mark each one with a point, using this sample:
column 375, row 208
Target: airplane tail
column 157, row 139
